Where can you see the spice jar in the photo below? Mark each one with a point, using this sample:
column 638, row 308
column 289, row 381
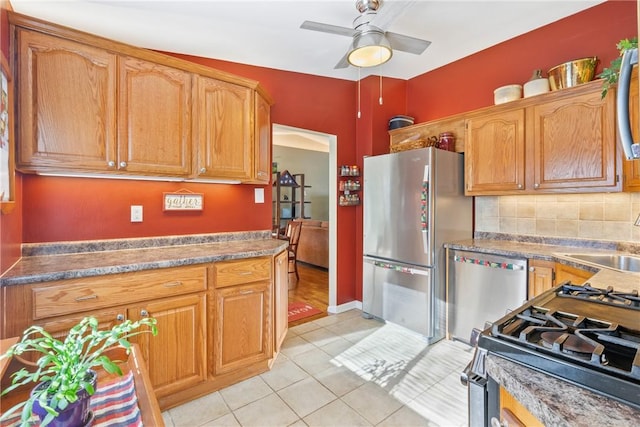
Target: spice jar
column 446, row 141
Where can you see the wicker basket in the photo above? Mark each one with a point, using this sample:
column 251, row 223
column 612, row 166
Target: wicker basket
column 413, row 144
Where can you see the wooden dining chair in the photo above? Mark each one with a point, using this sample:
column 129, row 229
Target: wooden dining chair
column 292, row 233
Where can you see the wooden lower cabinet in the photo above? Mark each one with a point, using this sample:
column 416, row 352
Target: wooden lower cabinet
column 242, row 334
column 215, row 321
column 176, row 357
column 541, row 277
column 513, row 414
column 577, row 276
column 281, row 299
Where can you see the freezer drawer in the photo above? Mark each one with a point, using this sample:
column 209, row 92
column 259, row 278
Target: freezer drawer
column 481, row 289
column 399, row 293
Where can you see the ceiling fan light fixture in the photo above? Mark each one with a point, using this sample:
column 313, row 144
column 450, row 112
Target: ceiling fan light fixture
column 369, row 49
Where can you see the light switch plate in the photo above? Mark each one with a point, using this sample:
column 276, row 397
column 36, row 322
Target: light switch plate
column 259, row 195
column 136, row 213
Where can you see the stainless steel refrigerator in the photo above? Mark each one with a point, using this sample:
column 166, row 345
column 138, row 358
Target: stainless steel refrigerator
column 413, row 203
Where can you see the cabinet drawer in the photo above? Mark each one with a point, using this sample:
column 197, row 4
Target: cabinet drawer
column 236, row 272
column 76, row 295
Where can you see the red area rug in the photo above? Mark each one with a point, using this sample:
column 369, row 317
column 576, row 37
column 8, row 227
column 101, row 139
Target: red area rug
column 299, row 310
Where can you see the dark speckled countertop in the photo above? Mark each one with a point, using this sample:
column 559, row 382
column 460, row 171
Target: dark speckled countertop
column 67, row 260
column 558, row 403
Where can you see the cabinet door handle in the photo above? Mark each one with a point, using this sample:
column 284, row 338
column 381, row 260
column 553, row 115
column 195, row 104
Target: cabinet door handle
column 536, row 185
column 120, row 317
column 532, row 269
column 246, row 273
column 111, row 164
column 173, row 284
column 144, row 313
column 123, row 164
column 87, row 297
column 203, row 170
column 520, row 186
column 246, row 292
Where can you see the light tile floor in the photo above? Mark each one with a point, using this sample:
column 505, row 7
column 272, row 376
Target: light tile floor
column 344, row 370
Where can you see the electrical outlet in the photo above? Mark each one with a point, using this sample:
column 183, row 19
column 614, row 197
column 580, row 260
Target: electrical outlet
column 637, row 223
column 136, row 213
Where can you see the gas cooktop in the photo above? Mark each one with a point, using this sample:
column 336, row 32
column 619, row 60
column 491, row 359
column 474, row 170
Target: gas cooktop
column 587, row 336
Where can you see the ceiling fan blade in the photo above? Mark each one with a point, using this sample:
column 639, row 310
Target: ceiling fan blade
column 328, row 28
column 343, row 63
column 407, row 43
column 389, row 12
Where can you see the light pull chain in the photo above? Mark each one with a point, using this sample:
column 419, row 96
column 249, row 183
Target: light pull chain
column 380, row 69
column 359, row 113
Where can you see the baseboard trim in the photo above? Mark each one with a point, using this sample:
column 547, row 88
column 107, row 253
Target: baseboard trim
column 335, row 309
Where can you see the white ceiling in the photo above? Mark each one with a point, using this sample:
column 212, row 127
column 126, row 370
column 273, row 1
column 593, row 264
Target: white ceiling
column 267, row 32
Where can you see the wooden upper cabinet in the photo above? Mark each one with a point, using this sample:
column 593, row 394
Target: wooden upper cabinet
column 154, row 118
column 574, row 142
column 262, row 141
column 91, row 105
column 222, row 119
column 66, row 98
column 631, row 168
column 560, row 142
column 495, row 152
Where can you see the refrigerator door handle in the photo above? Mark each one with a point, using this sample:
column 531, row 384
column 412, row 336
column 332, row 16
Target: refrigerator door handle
column 400, row 268
column 424, row 211
column 490, row 264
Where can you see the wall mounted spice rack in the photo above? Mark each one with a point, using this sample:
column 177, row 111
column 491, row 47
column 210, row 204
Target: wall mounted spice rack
column 348, row 186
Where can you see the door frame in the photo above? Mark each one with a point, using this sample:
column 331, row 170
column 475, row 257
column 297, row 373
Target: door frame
column 313, row 140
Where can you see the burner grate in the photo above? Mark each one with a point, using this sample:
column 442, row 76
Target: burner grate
column 605, row 296
column 594, row 342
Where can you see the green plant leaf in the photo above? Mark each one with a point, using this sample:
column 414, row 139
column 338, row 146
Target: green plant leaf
column 64, row 364
column 610, row 75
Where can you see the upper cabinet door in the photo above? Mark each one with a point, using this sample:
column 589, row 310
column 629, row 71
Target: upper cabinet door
column 223, row 127
column 495, row 153
column 154, row 118
column 631, row 168
column 575, row 143
column 262, row 151
column 66, row 103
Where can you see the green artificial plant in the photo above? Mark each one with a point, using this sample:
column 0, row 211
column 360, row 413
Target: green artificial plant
column 63, row 366
column 610, row 75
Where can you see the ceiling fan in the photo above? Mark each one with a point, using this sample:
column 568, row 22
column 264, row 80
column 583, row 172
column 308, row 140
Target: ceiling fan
column 371, row 44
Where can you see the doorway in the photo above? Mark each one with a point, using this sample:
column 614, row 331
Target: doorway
column 308, row 140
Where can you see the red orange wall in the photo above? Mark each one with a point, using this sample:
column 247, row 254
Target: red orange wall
column 468, row 84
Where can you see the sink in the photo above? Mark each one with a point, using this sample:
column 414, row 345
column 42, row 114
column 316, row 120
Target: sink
column 618, row 262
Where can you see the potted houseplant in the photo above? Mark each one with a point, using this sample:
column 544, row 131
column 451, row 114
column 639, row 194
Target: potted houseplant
column 64, row 373
column 610, row 75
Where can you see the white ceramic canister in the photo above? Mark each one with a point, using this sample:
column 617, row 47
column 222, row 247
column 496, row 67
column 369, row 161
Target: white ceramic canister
column 536, row 85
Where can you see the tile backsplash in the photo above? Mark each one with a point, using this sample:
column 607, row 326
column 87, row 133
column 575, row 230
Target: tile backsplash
column 598, row 216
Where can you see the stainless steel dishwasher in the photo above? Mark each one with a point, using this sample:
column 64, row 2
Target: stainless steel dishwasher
column 482, row 288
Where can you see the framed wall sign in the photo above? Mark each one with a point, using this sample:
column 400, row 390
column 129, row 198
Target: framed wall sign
column 183, row 201
column 7, row 165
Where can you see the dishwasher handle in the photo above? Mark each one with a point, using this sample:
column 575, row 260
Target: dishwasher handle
column 487, row 263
